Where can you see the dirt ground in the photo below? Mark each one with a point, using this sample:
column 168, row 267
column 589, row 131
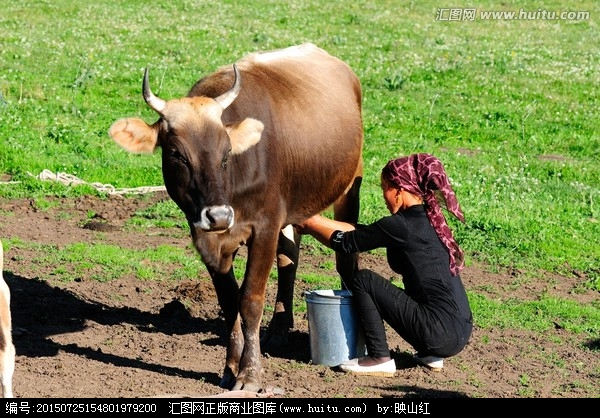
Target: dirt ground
column 129, row 338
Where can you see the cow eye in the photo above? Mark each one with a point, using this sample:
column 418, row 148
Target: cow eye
column 176, row 155
column 225, row 158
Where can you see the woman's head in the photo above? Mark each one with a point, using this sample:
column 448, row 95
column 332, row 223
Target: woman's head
column 396, row 198
column 424, row 175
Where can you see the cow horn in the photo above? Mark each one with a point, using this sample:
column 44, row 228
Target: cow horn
column 154, row 102
column 228, row 97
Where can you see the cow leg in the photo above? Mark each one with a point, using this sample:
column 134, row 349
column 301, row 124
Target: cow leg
column 227, row 290
column 288, row 250
column 261, row 252
column 347, row 209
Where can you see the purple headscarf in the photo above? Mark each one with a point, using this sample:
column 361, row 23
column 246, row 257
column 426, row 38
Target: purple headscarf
column 424, row 175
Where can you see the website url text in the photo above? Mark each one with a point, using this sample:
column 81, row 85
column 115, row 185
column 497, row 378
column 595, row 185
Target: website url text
column 466, row 14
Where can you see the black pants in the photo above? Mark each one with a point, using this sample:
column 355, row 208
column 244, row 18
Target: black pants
column 427, row 330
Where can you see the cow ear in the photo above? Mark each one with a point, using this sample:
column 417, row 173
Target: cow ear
column 134, row 135
column 245, row 134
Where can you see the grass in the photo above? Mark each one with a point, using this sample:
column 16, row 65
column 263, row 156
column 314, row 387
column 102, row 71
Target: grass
column 105, row 263
column 539, row 315
column 509, row 106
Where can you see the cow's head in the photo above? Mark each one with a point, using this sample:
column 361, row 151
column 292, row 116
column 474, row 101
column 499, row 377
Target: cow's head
column 196, row 147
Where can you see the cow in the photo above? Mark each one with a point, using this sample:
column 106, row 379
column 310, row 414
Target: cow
column 254, row 148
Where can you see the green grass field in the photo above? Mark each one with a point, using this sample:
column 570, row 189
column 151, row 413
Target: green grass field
column 510, row 106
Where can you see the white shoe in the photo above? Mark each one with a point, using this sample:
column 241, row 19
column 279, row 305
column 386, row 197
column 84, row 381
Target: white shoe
column 434, row 363
column 386, row 369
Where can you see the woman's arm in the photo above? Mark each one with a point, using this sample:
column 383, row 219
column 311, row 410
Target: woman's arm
column 321, row 228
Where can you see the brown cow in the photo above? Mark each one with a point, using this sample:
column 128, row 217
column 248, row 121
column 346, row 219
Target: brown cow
column 243, row 162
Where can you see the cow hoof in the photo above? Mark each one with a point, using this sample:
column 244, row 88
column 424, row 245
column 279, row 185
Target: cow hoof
column 247, row 387
column 227, row 381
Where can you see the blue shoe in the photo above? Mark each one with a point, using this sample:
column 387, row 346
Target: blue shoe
column 386, row 369
column 432, row 362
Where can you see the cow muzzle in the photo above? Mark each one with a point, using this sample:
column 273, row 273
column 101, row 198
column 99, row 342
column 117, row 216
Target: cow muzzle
column 215, row 218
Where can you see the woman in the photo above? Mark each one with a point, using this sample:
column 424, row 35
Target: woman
column 432, row 313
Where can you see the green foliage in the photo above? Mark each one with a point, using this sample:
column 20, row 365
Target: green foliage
column 108, row 262
column 539, row 315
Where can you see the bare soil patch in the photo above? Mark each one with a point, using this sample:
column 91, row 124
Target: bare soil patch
column 155, row 338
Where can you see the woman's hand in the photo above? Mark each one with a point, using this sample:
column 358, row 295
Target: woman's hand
column 321, row 228
column 308, row 225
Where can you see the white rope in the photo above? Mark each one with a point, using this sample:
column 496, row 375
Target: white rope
column 71, row 180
